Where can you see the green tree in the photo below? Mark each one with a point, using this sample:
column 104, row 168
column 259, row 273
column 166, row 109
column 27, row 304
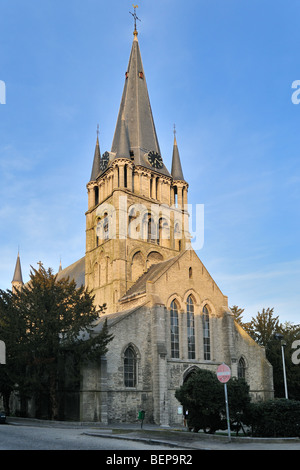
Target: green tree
column 46, row 323
column 12, row 332
column 238, row 402
column 262, row 327
column 238, row 313
column 290, row 333
column 203, row 396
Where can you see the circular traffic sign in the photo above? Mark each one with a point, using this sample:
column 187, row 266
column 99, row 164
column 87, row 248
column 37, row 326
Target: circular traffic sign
column 223, row 373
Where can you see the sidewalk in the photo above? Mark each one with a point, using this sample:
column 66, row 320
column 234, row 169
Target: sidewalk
column 182, row 439
column 177, row 437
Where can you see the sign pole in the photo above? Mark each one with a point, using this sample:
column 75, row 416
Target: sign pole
column 223, row 375
column 227, row 412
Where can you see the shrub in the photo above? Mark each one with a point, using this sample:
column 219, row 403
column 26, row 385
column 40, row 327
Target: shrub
column 203, row 396
column 275, row 418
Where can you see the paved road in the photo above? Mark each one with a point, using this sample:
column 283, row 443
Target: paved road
column 15, row 437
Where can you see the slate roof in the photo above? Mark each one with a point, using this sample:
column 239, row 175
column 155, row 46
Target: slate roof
column 135, row 110
column 75, row 271
column 176, row 170
column 18, row 271
column 152, row 274
column 96, row 162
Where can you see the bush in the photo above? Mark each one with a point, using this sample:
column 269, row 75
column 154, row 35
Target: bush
column 203, row 396
column 275, row 418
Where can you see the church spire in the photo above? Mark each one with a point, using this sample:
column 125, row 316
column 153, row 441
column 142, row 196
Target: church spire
column 176, row 171
column 135, row 109
column 17, row 281
column 97, row 158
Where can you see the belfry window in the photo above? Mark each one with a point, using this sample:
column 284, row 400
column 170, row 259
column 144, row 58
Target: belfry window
column 190, row 328
column 96, row 193
column 125, row 176
column 130, row 367
column 151, row 230
column 206, row 334
column 174, row 330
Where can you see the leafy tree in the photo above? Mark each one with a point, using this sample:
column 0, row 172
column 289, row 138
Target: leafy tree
column 12, row 332
column 263, row 326
column 262, row 329
column 238, row 402
column 46, row 323
column 237, row 312
column 290, row 333
column 203, row 396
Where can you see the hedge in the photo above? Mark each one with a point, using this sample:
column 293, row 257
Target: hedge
column 275, row 418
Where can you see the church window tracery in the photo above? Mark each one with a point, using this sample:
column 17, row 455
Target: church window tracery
column 174, row 330
column 206, row 333
column 190, row 328
column 130, row 365
column 241, row 368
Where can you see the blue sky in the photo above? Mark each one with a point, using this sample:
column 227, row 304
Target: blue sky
column 222, row 70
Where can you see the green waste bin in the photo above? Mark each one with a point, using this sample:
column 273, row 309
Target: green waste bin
column 141, row 416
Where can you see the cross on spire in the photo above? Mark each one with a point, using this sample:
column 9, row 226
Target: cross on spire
column 135, row 18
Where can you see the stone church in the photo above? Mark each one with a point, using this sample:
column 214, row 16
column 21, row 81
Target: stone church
column 167, row 314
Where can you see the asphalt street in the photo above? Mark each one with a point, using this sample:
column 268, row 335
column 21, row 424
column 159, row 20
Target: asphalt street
column 21, row 437
column 30, row 434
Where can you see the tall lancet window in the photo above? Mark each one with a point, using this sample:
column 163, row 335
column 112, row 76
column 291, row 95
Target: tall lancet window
column 190, row 327
column 206, row 334
column 130, row 367
column 241, row 368
column 174, row 330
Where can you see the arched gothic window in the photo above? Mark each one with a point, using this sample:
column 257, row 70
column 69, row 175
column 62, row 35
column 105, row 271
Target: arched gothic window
column 174, row 330
column 190, row 327
column 130, row 367
column 241, row 368
column 206, row 333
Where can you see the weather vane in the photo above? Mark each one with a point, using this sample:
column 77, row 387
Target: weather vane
column 135, row 18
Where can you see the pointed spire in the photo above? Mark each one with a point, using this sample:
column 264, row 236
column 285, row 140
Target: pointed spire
column 60, row 267
column 176, row 171
column 135, row 109
column 97, row 158
column 17, row 281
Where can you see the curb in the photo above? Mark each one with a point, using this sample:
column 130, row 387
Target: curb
column 145, row 440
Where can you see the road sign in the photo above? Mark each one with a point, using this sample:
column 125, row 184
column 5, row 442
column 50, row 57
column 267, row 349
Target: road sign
column 223, row 373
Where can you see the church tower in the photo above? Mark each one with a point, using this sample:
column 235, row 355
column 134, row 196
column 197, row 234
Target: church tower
column 136, row 208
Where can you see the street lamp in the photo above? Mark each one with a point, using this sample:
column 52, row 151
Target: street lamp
column 279, row 336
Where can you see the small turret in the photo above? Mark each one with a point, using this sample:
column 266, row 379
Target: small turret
column 176, row 170
column 97, row 158
column 17, row 281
